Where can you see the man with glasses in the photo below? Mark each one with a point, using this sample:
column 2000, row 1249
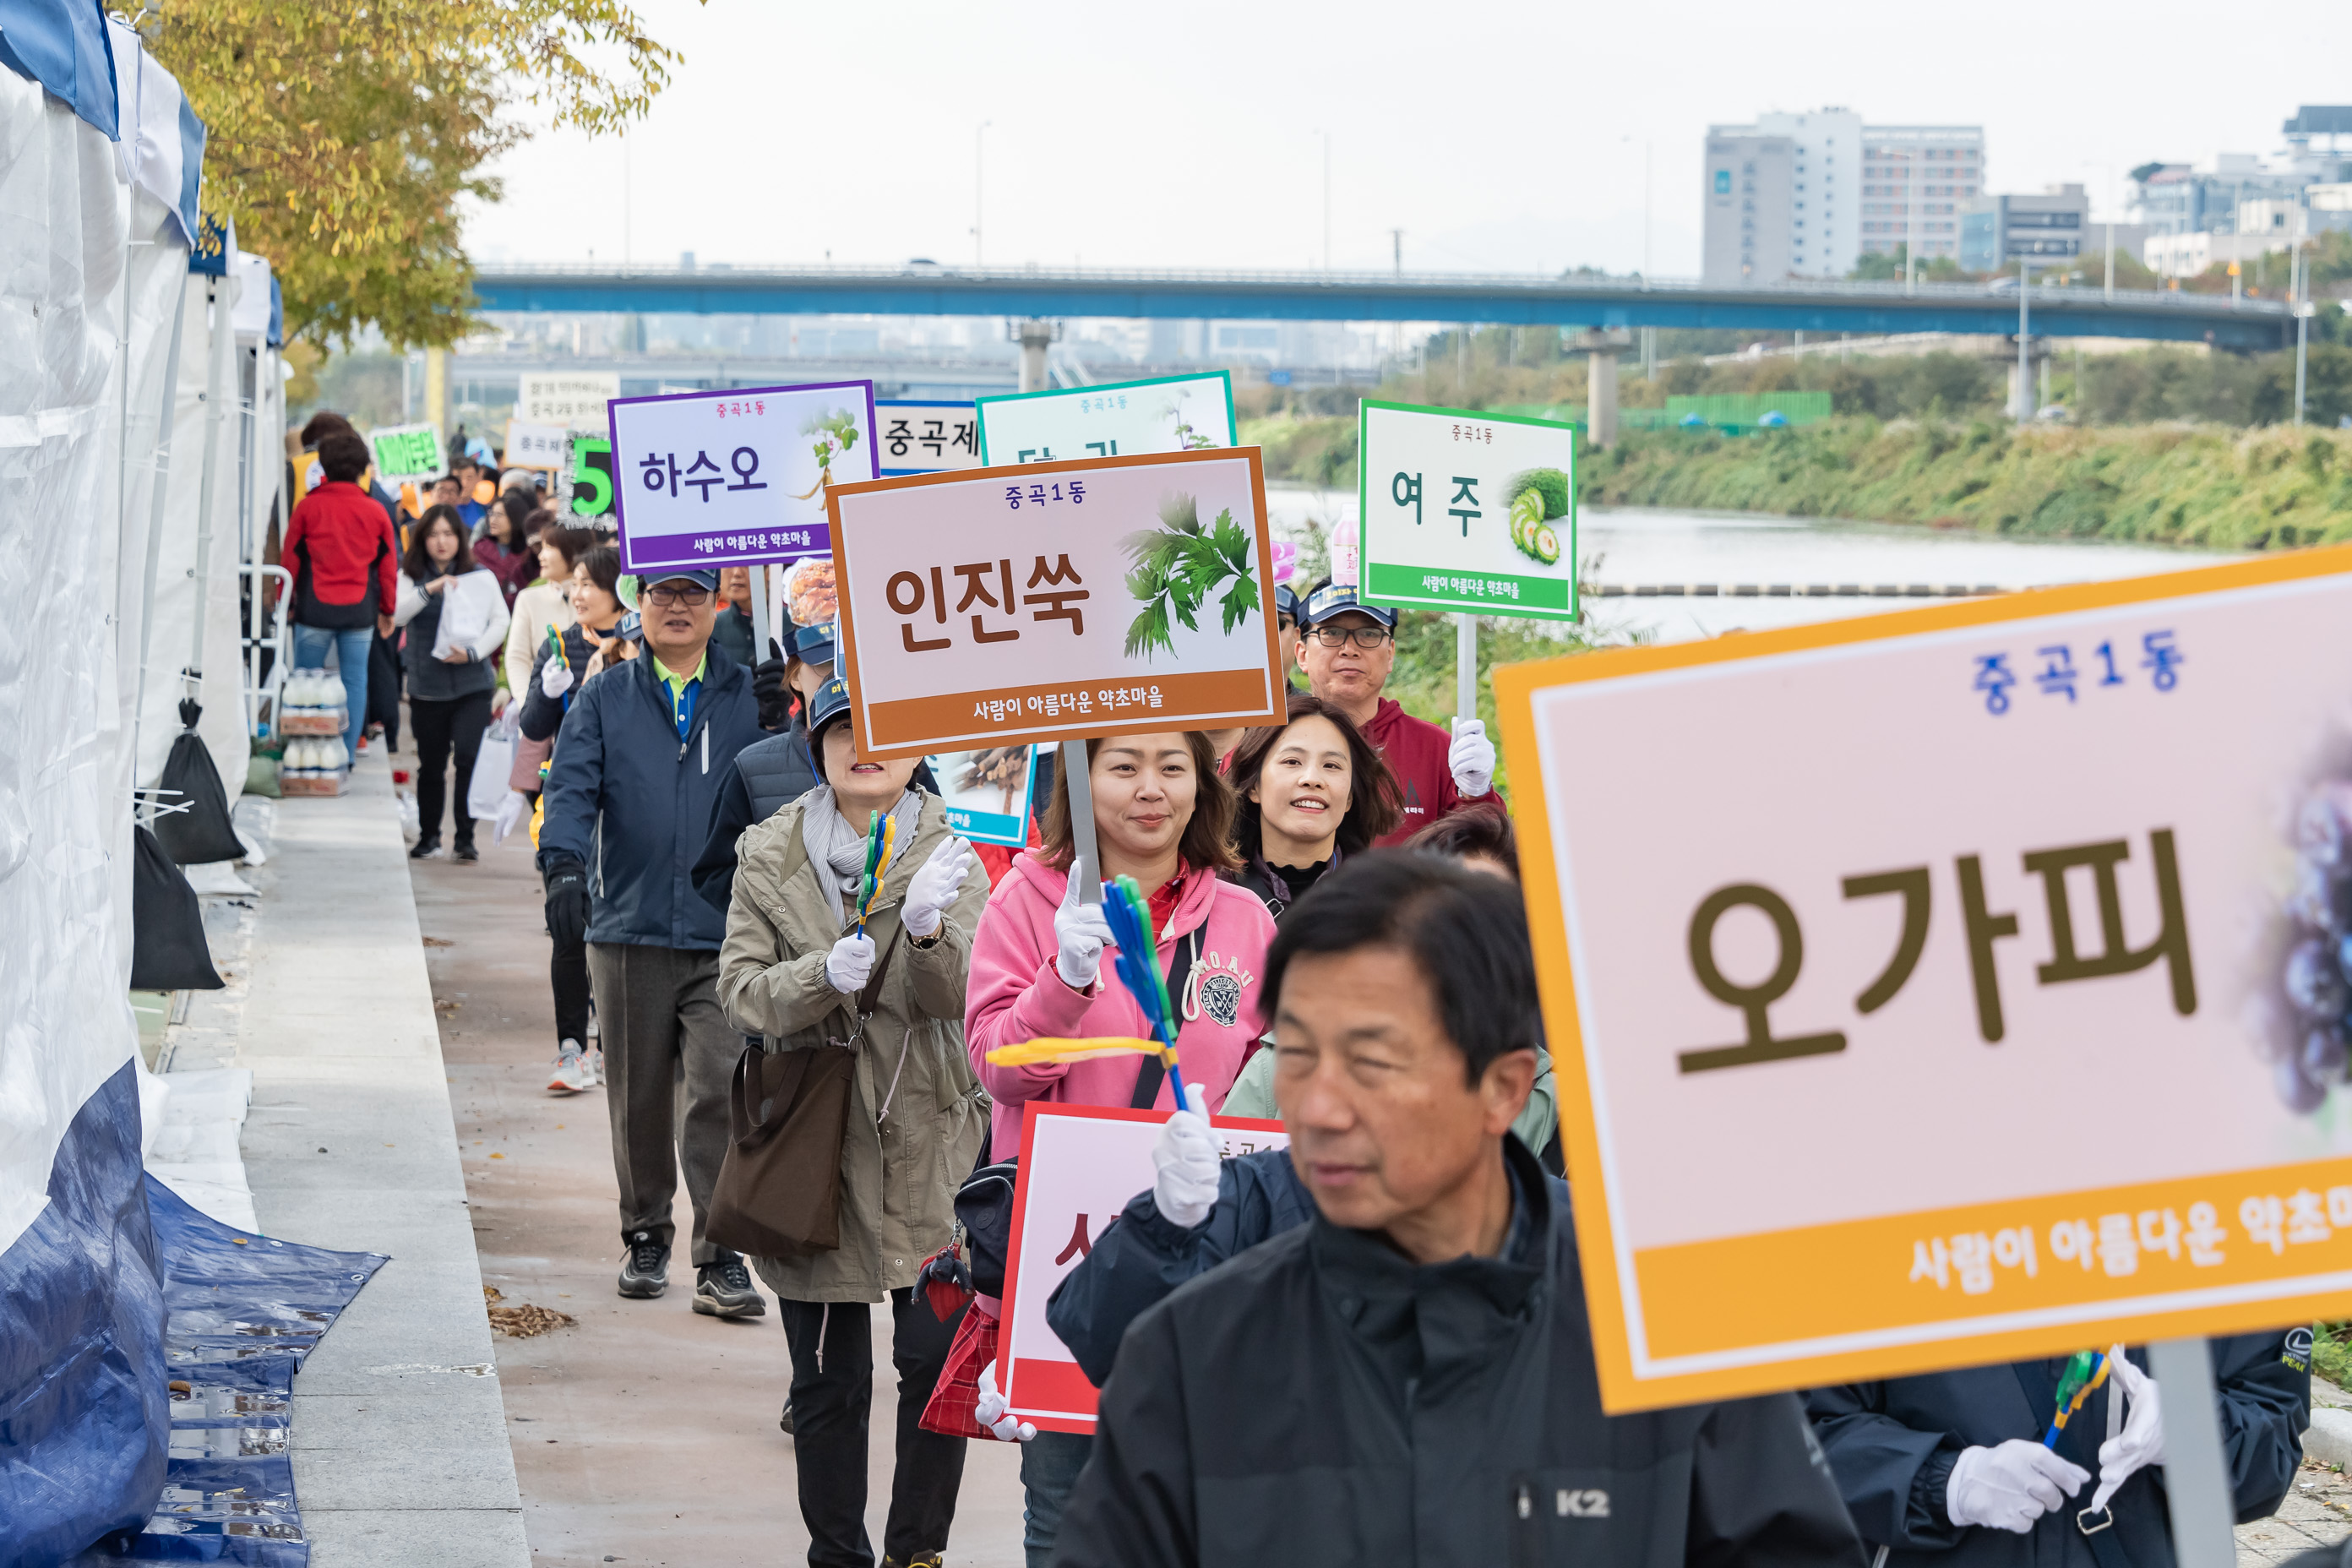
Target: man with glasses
column 1347, row 649
column 638, row 763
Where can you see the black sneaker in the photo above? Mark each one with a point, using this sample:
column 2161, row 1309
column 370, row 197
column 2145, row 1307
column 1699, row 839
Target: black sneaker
column 645, row 1274
column 426, row 847
column 784, row 1422
column 725, row 1290
column 466, row 850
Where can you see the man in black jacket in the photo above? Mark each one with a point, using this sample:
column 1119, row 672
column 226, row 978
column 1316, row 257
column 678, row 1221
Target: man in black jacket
column 637, row 765
column 1943, row 1468
column 1408, row 1378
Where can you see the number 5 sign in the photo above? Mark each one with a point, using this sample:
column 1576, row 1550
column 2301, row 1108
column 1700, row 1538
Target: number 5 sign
column 1954, row 986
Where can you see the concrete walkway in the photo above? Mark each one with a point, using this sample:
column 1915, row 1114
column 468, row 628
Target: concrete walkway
column 643, row 1434
column 399, row 1434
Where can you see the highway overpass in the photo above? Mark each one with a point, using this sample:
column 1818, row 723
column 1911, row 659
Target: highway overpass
column 923, row 290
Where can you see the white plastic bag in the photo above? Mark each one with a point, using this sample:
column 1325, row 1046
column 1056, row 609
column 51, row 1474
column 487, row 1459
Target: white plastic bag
column 487, row 790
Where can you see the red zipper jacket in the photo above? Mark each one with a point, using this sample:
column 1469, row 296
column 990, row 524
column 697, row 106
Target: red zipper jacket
column 1416, row 751
column 339, row 538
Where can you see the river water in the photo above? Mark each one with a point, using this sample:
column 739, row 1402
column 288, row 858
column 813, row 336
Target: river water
column 1632, row 545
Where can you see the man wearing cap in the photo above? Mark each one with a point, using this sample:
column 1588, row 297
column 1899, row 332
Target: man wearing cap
column 638, row 764
column 1347, row 649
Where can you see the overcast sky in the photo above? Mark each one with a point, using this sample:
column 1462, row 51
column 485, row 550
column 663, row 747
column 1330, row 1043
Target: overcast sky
column 1498, row 135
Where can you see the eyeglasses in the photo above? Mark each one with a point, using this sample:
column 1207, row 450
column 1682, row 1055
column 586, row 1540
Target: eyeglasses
column 1365, row 637
column 669, row 598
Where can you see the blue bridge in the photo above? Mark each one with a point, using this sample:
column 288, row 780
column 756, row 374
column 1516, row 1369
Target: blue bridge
column 924, row 290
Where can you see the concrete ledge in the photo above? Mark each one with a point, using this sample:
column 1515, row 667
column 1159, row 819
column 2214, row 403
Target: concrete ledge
column 399, row 1437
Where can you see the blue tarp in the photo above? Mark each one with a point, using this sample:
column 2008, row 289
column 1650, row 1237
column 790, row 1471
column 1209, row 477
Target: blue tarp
column 62, row 45
column 246, row 1311
column 82, row 1401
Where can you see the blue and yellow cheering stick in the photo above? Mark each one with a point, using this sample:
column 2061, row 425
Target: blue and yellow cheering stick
column 1128, row 913
column 2085, row 1371
column 881, row 842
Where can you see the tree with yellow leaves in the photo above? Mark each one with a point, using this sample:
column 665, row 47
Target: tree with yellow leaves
column 340, row 136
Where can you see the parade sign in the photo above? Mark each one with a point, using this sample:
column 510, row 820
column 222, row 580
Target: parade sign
column 988, row 793
column 1113, row 596
column 1081, row 1165
column 404, row 454
column 569, row 399
column 1953, row 986
column 919, row 437
column 547, row 447
column 714, row 478
column 1466, row 511
column 1165, row 414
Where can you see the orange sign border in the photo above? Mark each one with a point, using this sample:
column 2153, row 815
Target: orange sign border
column 1622, row 1390
column 1147, row 721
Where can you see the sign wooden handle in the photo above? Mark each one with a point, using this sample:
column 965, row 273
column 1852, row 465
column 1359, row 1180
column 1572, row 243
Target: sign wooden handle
column 1078, row 781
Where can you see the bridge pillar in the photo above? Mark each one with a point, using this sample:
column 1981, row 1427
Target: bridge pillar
column 1036, row 337
column 1600, row 394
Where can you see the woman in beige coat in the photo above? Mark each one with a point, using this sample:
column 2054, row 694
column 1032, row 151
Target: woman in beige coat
column 794, row 971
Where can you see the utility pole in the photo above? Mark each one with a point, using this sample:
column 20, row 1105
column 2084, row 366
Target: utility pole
column 1327, row 200
column 979, row 168
column 2024, row 354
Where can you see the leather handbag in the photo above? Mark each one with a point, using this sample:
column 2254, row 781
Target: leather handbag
column 779, row 1188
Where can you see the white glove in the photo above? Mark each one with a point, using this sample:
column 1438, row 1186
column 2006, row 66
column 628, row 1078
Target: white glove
column 934, row 885
column 1080, row 933
column 992, row 1413
column 556, row 679
column 850, row 964
column 1185, row 1156
column 2009, row 1486
column 1471, row 758
column 2141, row 1442
column 511, row 811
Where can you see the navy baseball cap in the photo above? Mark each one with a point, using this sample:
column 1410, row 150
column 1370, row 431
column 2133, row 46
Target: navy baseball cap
column 1286, row 601
column 814, row 644
column 1337, row 599
column 708, row 579
column 831, row 702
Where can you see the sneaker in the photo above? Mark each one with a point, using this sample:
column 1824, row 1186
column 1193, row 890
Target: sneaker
column 595, row 1059
column 645, row 1273
column 920, row 1560
column 466, row 851
column 427, row 845
column 784, row 1422
column 571, row 1074
column 725, row 1290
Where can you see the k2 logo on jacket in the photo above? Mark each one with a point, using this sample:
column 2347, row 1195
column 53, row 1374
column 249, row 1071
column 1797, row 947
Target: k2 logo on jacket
column 1217, row 984
column 1568, row 1502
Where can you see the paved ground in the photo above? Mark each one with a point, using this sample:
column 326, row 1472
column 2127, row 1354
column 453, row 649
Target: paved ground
column 398, row 1436
column 645, row 1435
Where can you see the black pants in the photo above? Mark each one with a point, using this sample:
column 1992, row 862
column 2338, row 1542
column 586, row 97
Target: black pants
column 567, row 972
column 384, row 688
column 830, row 1405
column 459, row 722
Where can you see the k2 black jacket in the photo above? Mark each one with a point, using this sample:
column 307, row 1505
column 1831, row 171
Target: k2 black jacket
column 1321, row 1399
column 767, row 775
column 1892, row 1446
column 630, row 800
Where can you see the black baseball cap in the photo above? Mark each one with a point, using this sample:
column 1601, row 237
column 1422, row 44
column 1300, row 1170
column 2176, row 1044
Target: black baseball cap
column 1286, row 601
column 831, row 702
column 701, row 579
column 1337, row 599
column 814, row 644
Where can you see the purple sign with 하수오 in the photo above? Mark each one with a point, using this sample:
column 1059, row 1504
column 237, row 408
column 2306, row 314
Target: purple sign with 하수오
column 737, row 477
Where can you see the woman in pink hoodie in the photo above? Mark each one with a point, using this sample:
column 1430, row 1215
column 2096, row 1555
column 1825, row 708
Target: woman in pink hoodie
column 1162, row 816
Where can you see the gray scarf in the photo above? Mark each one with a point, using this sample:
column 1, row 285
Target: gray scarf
column 839, row 847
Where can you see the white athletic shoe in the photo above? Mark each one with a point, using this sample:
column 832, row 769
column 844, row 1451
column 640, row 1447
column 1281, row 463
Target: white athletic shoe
column 571, row 1072
column 596, row 1068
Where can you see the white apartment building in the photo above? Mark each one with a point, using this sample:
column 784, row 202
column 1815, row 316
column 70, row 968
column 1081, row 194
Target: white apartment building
column 1806, row 195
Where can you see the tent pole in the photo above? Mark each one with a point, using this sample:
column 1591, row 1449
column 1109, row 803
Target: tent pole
column 163, row 465
column 222, row 344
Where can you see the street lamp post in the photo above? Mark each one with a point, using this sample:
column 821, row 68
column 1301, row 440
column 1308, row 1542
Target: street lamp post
column 978, row 146
column 2024, row 353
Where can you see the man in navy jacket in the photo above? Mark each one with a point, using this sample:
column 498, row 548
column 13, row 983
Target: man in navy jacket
column 637, row 764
